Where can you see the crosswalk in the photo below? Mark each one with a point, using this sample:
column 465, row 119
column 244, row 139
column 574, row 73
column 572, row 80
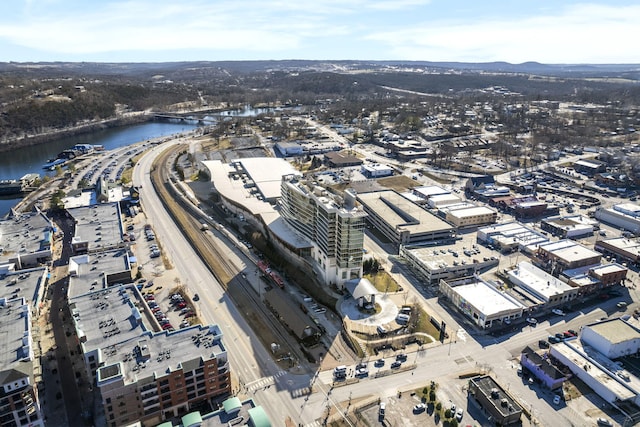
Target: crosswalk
column 303, row 391
column 264, row 381
column 316, row 423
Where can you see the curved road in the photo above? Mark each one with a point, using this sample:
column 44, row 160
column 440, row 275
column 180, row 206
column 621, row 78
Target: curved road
column 250, row 361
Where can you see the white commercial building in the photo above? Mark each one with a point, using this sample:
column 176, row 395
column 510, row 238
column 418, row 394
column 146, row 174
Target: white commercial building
column 511, row 236
column 624, row 215
column 550, row 290
column 481, row 302
column 471, row 216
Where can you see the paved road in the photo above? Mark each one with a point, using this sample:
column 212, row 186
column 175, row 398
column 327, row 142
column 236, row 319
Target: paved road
column 250, row 361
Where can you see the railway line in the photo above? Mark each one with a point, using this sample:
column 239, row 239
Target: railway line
column 215, row 257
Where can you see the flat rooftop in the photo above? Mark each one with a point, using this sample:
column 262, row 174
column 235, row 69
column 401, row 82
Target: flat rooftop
column 429, row 191
column 107, row 317
column 628, row 245
column 235, row 190
column 152, row 355
column 27, row 283
column 615, row 331
column 267, row 173
column 16, row 342
column 511, row 232
column 24, row 234
column 539, row 280
column 471, row 211
column 100, row 225
column 399, row 212
column 571, row 252
column 223, row 419
column 443, row 256
column 579, row 355
column 90, row 272
column 486, row 298
column 487, row 384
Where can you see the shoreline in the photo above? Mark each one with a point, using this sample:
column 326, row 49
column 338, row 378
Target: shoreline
column 43, row 138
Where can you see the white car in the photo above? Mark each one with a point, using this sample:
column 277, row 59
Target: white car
column 558, row 312
column 420, row 407
column 532, row 321
column 459, row 414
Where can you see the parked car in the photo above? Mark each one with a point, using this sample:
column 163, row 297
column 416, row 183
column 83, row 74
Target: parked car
column 558, row 312
column 553, row 339
column 532, row 321
column 167, row 326
column 459, row 414
column 556, row 399
column 401, row 357
column 603, row 422
column 420, row 407
column 396, row 365
column 378, row 363
column 543, row 344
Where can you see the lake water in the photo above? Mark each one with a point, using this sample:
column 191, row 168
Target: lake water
column 16, row 163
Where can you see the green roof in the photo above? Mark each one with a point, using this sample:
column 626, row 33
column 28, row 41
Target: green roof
column 192, row 419
column 259, row 417
column 232, row 404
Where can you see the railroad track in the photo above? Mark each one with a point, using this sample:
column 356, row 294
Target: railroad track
column 214, row 256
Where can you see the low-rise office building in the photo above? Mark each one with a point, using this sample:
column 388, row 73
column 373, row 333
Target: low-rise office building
column 510, row 237
column 376, row 170
column 481, row 302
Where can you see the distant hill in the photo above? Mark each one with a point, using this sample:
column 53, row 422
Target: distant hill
column 196, row 67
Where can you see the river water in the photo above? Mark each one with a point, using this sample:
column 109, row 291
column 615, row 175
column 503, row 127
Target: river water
column 16, row 163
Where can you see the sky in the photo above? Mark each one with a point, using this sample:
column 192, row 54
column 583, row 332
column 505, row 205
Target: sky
column 516, row 31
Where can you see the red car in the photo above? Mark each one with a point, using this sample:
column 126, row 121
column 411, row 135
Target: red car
column 167, row 326
column 181, row 305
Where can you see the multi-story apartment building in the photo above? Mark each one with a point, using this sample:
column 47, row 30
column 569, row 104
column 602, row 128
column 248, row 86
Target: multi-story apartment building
column 334, row 226
column 163, row 375
column 144, row 375
column 19, row 404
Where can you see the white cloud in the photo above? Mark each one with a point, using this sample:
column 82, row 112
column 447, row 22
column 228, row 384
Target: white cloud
column 582, row 33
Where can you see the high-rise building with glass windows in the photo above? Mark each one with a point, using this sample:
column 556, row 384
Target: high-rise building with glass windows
column 333, row 224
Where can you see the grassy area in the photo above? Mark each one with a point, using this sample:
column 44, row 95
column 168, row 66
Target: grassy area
column 383, row 282
column 209, row 143
column 399, row 183
column 424, row 325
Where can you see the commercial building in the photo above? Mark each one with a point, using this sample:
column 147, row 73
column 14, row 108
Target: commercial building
column 556, row 257
column 97, row 228
column 495, row 401
column 27, row 283
column 541, row 286
column 443, row 200
column 333, row 225
column 92, row 272
column 569, row 227
column 289, row 149
column 447, row 261
column 376, row 170
column 604, row 358
column 403, row 221
column 470, row 216
column 589, row 167
column 480, row 301
column 26, row 239
column 620, row 248
column 510, row 237
column 624, row 215
column 19, row 401
column 338, row 159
